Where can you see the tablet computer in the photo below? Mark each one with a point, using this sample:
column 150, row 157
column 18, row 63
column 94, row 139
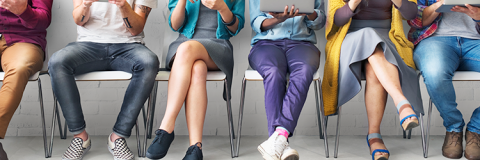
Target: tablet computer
column 102, row 1
column 449, row 4
column 303, row 6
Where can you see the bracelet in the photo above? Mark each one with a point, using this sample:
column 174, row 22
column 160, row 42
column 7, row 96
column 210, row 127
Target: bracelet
column 232, row 22
column 478, row 21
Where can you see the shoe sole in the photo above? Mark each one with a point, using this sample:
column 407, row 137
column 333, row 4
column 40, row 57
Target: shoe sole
column 470, row 158
column 458, row 157
column 81, row 157
column 265, row 155
column 290, row 155
column 111, row 151
column 411, row 125
column 153, row 157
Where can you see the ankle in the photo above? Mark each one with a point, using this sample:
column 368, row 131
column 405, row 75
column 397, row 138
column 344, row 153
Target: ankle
column 114, row 137
column 282, row 131
column 83, row 135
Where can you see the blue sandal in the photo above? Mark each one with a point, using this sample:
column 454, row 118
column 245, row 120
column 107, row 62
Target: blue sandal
column 377, row 157
column 411, row 124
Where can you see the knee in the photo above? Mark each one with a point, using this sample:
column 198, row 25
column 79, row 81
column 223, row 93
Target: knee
column 56, row 62
column 20, row 68
column 434, row 76
column 185, row 51
column 199, row 71
column 274, row 73
column 149, row 62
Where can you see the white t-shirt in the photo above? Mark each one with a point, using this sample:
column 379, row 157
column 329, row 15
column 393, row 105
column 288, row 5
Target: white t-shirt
column 106, row 24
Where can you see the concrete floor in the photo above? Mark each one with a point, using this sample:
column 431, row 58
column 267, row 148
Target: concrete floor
column 218, row 148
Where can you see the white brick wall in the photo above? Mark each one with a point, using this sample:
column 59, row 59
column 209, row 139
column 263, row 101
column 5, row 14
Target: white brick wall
column 102, row 100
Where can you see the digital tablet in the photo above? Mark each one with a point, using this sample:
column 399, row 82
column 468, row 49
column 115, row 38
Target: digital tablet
column 303, row 6
column 449, row 4
column 102, row 1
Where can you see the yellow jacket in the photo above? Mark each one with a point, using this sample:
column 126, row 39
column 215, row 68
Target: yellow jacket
column 335, row 36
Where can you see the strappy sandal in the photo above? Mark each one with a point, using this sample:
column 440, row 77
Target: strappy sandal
column 377, row 157
column 412, row 123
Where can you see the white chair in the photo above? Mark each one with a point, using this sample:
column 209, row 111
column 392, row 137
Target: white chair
column 335, row 155
column 36, row 77
column 164, row 75
column 97, row 76
column 459, row 76
column 252, row 75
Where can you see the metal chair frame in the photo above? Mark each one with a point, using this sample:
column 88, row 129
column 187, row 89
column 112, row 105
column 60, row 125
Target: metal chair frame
column 212, row 76
column 337, row 134
column 319, row 106
column 459, row 76
column 100, row 76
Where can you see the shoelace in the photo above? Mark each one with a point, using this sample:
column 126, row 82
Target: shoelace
column 474, row 139
column 455, row 138
column 279, row 149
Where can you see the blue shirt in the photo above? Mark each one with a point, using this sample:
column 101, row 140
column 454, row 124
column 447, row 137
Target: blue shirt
column 191, row 17
column 297, row 28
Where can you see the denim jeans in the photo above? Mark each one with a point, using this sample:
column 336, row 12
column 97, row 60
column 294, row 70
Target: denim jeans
column 438, row 58
column 273, row 60
column 83, row 57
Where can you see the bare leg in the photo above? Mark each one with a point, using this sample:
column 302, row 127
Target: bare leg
column 196, row 102
column 375, row 101
column 387, row 74
column 180, row 79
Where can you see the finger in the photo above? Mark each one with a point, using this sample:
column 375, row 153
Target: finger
column 292, row 10
column 460, row 9
column 472, row 8
column 296, row 12
column 285, row 12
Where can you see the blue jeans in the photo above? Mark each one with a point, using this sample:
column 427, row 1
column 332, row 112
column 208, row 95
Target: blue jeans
column 83, row 57
column 438, row 58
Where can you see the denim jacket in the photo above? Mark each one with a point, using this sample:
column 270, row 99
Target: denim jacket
column 297, row 28
column 191, row 17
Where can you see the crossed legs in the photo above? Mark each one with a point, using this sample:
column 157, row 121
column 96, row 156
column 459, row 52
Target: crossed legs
column 187, row 84
column 382, row 78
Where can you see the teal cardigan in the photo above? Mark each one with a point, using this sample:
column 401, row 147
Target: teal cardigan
column 191, row 16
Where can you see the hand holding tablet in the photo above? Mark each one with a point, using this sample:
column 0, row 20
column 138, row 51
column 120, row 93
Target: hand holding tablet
column 279, row 6
column 449, row 5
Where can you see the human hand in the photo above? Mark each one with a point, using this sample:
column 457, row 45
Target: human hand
column 353, row 4
column 470, row 10
column 215, row 4
column 281, row 17
column 193, row 1
column 88, row 3
column 15, row 6
column 437, row 4
column 119, row 3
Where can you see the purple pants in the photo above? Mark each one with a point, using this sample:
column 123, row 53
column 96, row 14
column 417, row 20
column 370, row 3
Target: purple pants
column 273, row 60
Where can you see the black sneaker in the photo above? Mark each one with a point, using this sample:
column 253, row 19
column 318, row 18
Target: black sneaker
column 160, row 144
column 120, row 150
column 77, row 149
column 194, row 152
column 3, row 154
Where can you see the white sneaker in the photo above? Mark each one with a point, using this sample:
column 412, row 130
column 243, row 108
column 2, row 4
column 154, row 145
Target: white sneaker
column 290, row 154
column 119, row 149
column 273, row 147
column 77, row 149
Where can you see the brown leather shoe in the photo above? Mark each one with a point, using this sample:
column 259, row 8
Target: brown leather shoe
column 452, row 145
column 3, row 154
column 472, row 149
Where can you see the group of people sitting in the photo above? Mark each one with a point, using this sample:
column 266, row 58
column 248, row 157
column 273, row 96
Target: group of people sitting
column 365, row 40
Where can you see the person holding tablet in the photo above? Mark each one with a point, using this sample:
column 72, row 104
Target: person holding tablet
column 22, row 52
column 366, row 39
column 203, row 44
column 447, row 42
column 284, row 43
column 110, row 37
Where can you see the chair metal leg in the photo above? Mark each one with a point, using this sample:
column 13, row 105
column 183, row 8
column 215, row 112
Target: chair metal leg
column 152, row 113
column 230, row 120
column 324, row 122
column 318, row 110
column 423, row 134
column 139, row 146
column 338, row 132
column 54, row 120
column 42, row 113
column 240, row 115
column 427, row 140
column 149, row 110
column 63, row 133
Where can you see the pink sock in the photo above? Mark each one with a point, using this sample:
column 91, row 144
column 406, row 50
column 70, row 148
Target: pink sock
column 282, row 131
